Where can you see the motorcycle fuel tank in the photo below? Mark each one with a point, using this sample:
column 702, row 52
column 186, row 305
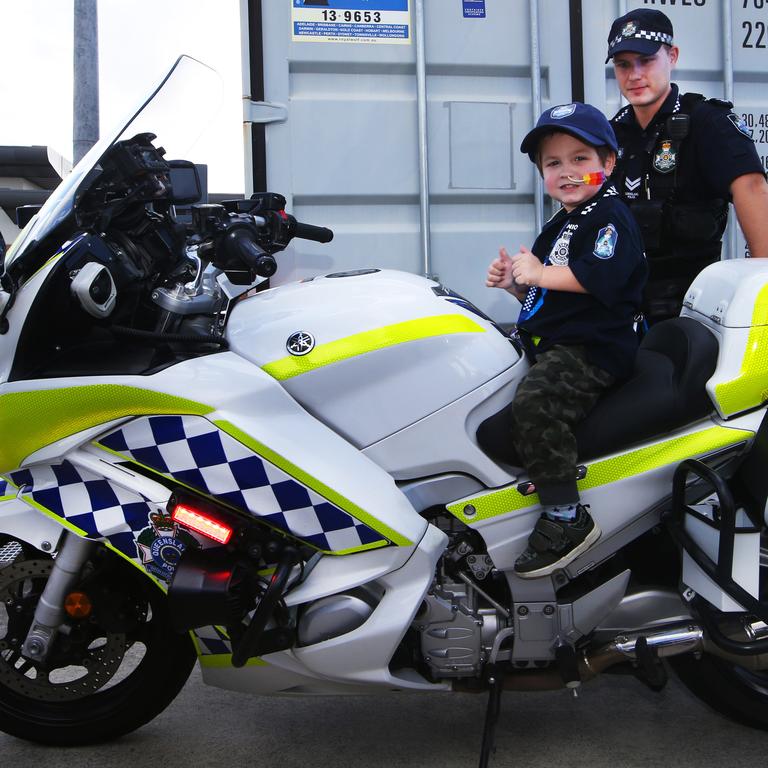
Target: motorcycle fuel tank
column 372, row 351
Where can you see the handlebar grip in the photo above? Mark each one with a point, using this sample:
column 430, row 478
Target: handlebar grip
column 251, row 254
column 311, row 232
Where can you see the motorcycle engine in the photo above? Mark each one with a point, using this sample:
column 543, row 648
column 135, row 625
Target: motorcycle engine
column 463, row 613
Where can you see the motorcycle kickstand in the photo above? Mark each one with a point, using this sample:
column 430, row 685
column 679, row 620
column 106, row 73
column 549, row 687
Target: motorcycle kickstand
column 496, row 686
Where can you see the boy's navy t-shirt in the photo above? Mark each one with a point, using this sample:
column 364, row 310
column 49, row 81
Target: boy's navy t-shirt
column 601, row 243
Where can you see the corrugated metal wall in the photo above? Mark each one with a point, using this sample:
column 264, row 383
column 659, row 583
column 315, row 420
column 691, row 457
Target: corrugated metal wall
column 345, row 143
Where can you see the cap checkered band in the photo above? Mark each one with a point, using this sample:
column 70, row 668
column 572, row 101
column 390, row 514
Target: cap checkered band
column 87, row 501
column 212, row 641
column 196, row 453
column 642, row 34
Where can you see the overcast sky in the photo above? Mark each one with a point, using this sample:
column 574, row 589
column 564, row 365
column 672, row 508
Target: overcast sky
column 138, row 42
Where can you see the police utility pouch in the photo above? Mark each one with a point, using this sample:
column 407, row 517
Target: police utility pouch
column 648, row 214
column 696, row 223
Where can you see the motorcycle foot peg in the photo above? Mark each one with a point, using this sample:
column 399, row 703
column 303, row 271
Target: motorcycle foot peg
column 568, row 665
column 650, row 668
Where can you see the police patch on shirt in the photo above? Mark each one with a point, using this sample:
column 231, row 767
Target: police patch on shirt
column 740, row 124
column 665, row 157
column 605, row 245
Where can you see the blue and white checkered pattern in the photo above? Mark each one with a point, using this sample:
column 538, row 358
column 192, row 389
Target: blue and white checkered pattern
column 195, row 452
column 85, row 500
column 642, row 34
column 212, row 641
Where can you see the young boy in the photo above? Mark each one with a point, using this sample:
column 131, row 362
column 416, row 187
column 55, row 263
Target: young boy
column 580, row 287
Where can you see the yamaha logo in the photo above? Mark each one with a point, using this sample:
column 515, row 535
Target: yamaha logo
column 300, row 343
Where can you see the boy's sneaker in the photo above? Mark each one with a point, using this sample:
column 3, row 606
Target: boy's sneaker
column 555, row 543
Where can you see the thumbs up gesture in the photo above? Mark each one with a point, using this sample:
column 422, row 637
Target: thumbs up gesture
column 500, row 271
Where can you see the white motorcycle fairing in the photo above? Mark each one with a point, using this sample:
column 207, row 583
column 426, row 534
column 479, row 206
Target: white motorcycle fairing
column 302, row 489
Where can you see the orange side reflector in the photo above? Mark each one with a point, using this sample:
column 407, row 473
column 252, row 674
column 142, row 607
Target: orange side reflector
column 202, row 523
column 78, row 605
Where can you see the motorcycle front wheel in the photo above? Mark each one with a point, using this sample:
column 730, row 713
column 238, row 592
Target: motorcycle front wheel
column 113, row 667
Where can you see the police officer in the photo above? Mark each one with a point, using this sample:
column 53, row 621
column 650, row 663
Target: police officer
column 682, row 159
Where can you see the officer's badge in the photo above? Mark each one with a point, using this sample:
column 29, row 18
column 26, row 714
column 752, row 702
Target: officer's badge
column 665, row 158
column 605, row 245
column 559, row 253
column 740, row 124
column 629, row 29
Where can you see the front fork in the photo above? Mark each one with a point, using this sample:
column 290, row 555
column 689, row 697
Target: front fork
column 49, row 613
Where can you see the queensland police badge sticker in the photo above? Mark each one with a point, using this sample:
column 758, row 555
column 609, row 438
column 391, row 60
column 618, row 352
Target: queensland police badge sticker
column 160, row 546
column 665, row 157
column 605, row 245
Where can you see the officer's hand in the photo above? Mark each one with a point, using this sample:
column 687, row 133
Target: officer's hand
column 500, row 271
column 526, row 268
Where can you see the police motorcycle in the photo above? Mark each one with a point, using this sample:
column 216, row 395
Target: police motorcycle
column 310, row 488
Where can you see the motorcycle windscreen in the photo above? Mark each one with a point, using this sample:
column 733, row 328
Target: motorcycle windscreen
column 174, row 111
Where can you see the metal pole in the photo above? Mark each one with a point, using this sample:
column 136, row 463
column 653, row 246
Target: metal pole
column 538, row 188
column 732, row 243
column 421, row 100
column 85, row 113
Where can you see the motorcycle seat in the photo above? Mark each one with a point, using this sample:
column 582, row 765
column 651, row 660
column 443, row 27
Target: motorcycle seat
column 667, row 390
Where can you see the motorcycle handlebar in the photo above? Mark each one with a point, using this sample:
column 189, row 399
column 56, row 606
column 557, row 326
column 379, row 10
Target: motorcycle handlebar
column 244, row 247
column 311, row 232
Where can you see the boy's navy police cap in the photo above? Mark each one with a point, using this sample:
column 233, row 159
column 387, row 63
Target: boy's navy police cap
column 583, row 121
column 641, row 31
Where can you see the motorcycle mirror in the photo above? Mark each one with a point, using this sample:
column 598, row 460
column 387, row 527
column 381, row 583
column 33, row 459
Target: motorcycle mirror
column 24, row 213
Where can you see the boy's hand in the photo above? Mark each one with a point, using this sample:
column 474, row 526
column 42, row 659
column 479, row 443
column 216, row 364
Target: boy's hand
column 500, row 271
column 526, row 268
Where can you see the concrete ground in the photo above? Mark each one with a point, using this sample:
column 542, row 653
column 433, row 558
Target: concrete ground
column 615, row 722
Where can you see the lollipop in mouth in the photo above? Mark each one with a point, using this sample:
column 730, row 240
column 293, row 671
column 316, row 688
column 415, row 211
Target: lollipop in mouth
column 593, row 179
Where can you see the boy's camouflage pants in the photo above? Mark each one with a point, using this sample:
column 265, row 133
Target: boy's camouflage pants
column 559, row 391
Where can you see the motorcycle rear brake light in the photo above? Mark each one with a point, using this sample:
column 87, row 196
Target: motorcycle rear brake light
column 202, row 523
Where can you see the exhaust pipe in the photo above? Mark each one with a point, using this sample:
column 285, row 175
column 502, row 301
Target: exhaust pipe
column 667, row 641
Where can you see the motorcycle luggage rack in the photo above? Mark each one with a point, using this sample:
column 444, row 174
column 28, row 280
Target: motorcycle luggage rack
column 726, row 526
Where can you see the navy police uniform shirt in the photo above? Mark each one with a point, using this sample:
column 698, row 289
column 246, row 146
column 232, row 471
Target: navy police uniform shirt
column 601, row 243
column 717, row 150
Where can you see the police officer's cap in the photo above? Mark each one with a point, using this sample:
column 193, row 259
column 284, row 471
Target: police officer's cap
column 583, row 121
column 640, row 31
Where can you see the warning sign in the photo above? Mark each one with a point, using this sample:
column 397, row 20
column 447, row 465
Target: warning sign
column 351, row 21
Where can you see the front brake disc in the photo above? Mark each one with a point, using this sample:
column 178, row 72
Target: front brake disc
column 21, row 585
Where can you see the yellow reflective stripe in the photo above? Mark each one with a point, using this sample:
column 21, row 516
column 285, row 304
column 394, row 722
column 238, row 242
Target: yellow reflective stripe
column 31, row 420
column 608, row 471
column 536, row 340
column 319, row 487
column 370, row 341
column 750, row 388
